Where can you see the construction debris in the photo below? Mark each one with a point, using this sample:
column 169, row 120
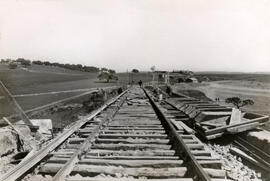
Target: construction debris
column 8, row 141
column 212, row 120
column 234, row 166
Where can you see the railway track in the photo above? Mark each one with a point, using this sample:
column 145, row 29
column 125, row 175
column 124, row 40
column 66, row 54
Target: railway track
column 262, row 159
column 130, row 138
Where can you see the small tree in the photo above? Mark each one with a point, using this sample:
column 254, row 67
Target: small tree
column 104, row 69
column 107, row 76
column 37, row 62
column 135, row 71
column 12, row 65
column 237, row 102
column 47, row 63
column 24, row 62
column 111, row 71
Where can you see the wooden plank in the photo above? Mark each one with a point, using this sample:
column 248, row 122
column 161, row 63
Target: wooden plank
column 129, row 179
column 131, row 146
column 135, row 128
column 210, row 162
column 132, row 136
column 218, row 113
column 195, row 146
column 76, row 140
column 206, row 158
column 62, row 153
column 132, row 117
column 221, row 129
column 111, row 170
column 242, row 128
column 133, row 131
column 210, row 124
column 214, row 136
column 102, row 152
column 156, row 163
column 180, row 125
column 133, row 163
column 143, row 157
column 134, row 141
column 216, row 109
column 62, row 156
column 215, row 173
column 200, row 153
column 146, row 126
column 135, row 122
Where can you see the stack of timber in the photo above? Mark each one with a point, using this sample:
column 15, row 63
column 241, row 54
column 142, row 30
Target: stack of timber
column 212, row 120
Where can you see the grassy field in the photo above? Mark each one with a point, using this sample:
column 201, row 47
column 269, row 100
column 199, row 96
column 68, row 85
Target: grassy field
column 43, row 79
column 39, row 79
column 265, row 78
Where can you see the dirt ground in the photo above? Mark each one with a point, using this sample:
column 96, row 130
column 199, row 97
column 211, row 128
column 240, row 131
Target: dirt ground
column 257, row 91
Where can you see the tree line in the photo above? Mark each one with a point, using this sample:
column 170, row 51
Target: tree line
column 79, row 67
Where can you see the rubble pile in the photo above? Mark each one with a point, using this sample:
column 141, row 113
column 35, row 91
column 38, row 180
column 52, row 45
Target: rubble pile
column 8, row 142
column 233, row 165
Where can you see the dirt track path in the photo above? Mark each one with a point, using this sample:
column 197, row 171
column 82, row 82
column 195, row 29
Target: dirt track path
column 238, row 90
column 49, row 93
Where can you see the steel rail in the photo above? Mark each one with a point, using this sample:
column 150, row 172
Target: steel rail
column 35, row 157
column 256, row 152
column 203, row 176
column 86, row 145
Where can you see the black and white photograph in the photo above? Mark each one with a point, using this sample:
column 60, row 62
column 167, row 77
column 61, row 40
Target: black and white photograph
column 134, row 90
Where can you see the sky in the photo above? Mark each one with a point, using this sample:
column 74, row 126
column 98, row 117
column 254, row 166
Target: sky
column 197, row 35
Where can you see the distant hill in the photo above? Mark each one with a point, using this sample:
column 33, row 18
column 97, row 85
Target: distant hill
column 53, row 69
column 225, row 72
column 217, row 76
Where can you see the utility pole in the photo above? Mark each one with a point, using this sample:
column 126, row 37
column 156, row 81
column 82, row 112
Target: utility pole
column 127, row 77
column 153, row 68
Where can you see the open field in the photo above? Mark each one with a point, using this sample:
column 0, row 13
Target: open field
column 218, row 76
column 44, row 83
column 41, row 80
